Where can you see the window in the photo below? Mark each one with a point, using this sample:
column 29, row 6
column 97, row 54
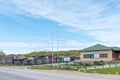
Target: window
column 86, row 55
column 103, row 55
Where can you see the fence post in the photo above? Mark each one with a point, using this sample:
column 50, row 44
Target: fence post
column 86, row 68
column 116, row 65
column 109, row 65
column 103, row 66
column 95, row 66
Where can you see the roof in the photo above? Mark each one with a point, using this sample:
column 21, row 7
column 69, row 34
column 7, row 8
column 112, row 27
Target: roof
column 116, row 48
column 99, row 47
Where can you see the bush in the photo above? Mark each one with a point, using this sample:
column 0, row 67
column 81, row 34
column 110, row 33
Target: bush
column 77, row 64
column 81, row 63
column 102, row 63
column 87, row 64
column 99, row 63
column 96, row 63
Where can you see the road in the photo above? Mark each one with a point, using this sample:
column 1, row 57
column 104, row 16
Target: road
column 21, row 73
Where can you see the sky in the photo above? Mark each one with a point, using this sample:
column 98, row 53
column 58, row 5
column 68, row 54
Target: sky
column 32, row 25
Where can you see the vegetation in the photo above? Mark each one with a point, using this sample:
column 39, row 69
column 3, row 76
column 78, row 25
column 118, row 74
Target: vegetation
column 44, row 53
column 41, row 67
column 11, row 65
column 59, row 53
column 69, row 53
column 88, row 64
column 99, row 63
column 48, row 67
column 37, row 54
column 105, row 70
column 78, row 65
column 2, row 55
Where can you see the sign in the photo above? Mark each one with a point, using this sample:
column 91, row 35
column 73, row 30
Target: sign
column 67, row 59
column 62, row 59
column 96, row 56
column 91, row 55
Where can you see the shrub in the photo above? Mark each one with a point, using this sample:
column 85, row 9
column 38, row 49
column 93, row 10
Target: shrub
column 96, row 63
column 81, row 63
column 87, row 64
column 77, row 64
column 102, row 63
column 99, row 63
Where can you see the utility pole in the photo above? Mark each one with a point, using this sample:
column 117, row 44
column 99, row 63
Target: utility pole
column 57, row 47
column 52, row 51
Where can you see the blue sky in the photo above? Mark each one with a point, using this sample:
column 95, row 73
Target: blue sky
column 27, row 25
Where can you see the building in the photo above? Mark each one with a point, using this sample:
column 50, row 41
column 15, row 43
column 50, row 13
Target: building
column 100, row 53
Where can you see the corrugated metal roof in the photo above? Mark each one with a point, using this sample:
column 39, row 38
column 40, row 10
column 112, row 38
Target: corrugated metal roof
column 99, row 47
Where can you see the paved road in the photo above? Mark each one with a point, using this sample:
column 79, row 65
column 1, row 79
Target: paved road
column 21, row 73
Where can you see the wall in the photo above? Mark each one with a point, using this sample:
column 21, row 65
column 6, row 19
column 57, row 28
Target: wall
column 114, row 55
column 96, row 59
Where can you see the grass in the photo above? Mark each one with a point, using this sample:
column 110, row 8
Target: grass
column 47, row 67
column 105, row 70
column 101, row 70
column 41, row 67
column 10, row 65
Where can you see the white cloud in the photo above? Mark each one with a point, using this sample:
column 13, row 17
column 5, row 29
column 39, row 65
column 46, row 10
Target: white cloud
column 21, row 44
column 99, row 19
column 79, row 14
column 107, row 37
column 74, row 43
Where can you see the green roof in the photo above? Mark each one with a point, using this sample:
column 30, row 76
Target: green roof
column 99, row 47
column 116, row 48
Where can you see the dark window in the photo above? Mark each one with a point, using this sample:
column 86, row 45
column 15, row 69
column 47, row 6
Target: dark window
column 86, row 55
column 103, row 55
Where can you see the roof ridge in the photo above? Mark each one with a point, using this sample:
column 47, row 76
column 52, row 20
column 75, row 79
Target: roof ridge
column 96, row 47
